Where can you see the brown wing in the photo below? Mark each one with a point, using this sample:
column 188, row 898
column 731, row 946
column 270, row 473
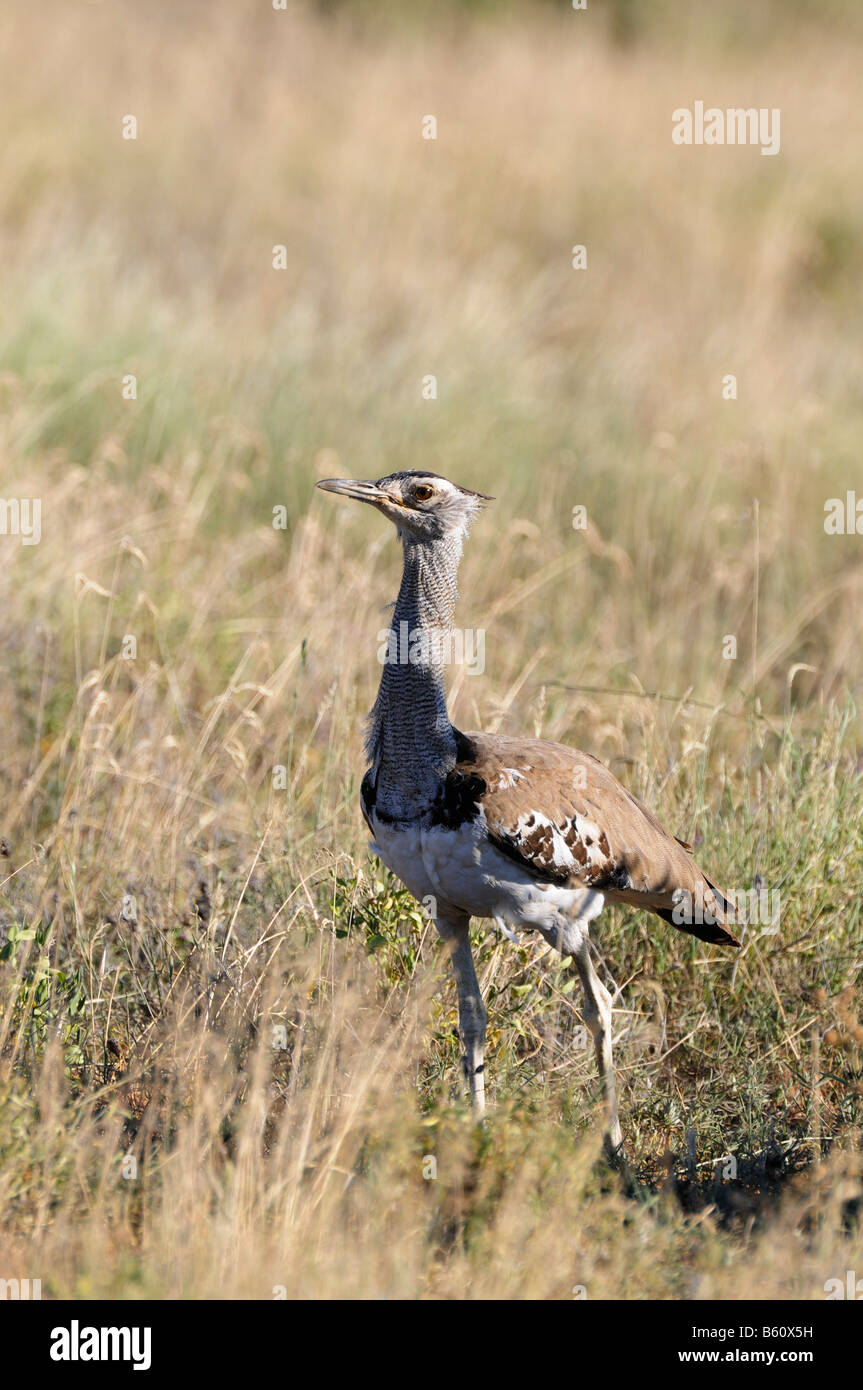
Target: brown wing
column 561, row 815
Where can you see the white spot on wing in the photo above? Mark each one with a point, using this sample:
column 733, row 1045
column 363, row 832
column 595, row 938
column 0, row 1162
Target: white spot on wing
column 508, row 778
column 561, row 855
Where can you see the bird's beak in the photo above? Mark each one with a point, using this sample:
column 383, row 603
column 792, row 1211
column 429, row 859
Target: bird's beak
column 353, row 487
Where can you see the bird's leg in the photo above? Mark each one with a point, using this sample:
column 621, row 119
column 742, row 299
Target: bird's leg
column 471, row 1013
column 597, row 1016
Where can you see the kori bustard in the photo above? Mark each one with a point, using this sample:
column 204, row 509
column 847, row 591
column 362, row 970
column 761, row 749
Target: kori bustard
column 534, row 835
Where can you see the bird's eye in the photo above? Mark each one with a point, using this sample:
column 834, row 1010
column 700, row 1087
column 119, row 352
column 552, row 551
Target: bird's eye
column 423, row 493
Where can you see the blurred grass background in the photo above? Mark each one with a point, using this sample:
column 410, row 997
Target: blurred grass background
column 150, row 780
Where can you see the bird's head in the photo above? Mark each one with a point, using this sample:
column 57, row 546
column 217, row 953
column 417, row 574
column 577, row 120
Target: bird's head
column 423, row 506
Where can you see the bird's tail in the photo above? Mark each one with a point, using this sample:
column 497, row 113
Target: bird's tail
column 711, row 924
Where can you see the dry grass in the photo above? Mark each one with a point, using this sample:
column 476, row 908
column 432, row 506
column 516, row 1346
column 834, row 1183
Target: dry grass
column 164, row 907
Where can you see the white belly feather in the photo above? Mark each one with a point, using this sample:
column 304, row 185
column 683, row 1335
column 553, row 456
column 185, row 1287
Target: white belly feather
column 461, row 869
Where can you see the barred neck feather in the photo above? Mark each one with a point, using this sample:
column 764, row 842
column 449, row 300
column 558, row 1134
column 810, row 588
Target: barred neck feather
column 410, row 742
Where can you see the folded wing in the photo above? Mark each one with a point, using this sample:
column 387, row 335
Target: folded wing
column 561, row 815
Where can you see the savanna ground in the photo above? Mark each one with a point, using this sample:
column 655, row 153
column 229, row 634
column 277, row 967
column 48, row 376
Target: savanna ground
column 227, row 1049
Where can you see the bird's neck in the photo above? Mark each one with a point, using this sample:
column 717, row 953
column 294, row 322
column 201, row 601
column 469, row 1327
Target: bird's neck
column 411, row 743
